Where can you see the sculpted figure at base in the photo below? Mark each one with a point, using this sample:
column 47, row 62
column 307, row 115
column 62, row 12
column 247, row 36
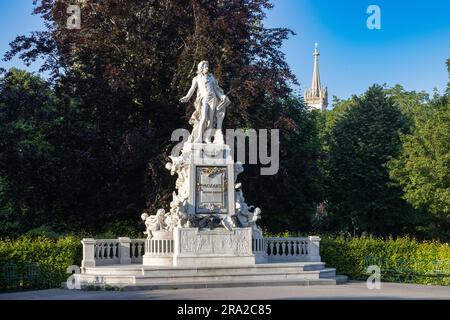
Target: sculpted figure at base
column 156, row 222
column 210, row 106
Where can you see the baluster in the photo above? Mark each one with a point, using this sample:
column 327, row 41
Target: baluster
column 271, row 248
column 283, row 248
column 105, row 250
column 277, row 247
column 100, row 250
column 289, row 247
column 133, row 250
column 96, row 251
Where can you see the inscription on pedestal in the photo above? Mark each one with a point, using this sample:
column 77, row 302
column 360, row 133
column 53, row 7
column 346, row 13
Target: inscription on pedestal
column 211, row 190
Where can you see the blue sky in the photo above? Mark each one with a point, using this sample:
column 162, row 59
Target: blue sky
column 410, row 49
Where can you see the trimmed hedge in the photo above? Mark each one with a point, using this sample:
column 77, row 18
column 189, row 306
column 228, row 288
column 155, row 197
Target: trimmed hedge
column 401, row 260
column 37, row 262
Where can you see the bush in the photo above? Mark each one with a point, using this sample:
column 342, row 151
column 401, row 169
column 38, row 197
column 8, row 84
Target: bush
column 401, row 260
column 37, row 262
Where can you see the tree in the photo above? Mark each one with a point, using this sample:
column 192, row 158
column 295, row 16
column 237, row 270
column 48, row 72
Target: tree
column 423, row 167
column 125, row 70
column 409, row 102
column 360, row 196
column 26, row 105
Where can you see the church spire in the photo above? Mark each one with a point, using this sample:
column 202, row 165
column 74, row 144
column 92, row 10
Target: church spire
column 317, row 97
column 315, row 86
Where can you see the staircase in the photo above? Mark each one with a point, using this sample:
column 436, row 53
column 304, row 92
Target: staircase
column 138, row 277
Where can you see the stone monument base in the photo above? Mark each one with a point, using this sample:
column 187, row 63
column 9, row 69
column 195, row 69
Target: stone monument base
column 195, row 258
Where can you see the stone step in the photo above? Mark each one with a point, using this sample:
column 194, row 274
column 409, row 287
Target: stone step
column 339, row 279
column 235, row 284
column 183, row 276
column 230, row 284
column 157, row 277
column 169, row 270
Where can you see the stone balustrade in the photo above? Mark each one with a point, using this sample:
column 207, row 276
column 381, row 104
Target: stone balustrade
column 112, row 251
column 293, row 249
column 159, row 246
column 128, row 251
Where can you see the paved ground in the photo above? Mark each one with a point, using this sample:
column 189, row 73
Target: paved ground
column 352, row 290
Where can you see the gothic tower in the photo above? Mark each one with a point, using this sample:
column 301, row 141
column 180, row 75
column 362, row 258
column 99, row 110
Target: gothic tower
column 317, row 97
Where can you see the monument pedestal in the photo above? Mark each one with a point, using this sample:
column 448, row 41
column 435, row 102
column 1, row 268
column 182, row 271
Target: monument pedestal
column 213, row 248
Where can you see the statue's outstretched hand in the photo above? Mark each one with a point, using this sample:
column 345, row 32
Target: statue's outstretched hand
column 184, row 99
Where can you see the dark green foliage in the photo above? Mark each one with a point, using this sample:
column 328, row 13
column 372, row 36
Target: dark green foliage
column 288, row 199
column 423, row 168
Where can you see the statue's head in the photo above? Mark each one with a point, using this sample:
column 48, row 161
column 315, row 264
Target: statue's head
column 203, row 67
